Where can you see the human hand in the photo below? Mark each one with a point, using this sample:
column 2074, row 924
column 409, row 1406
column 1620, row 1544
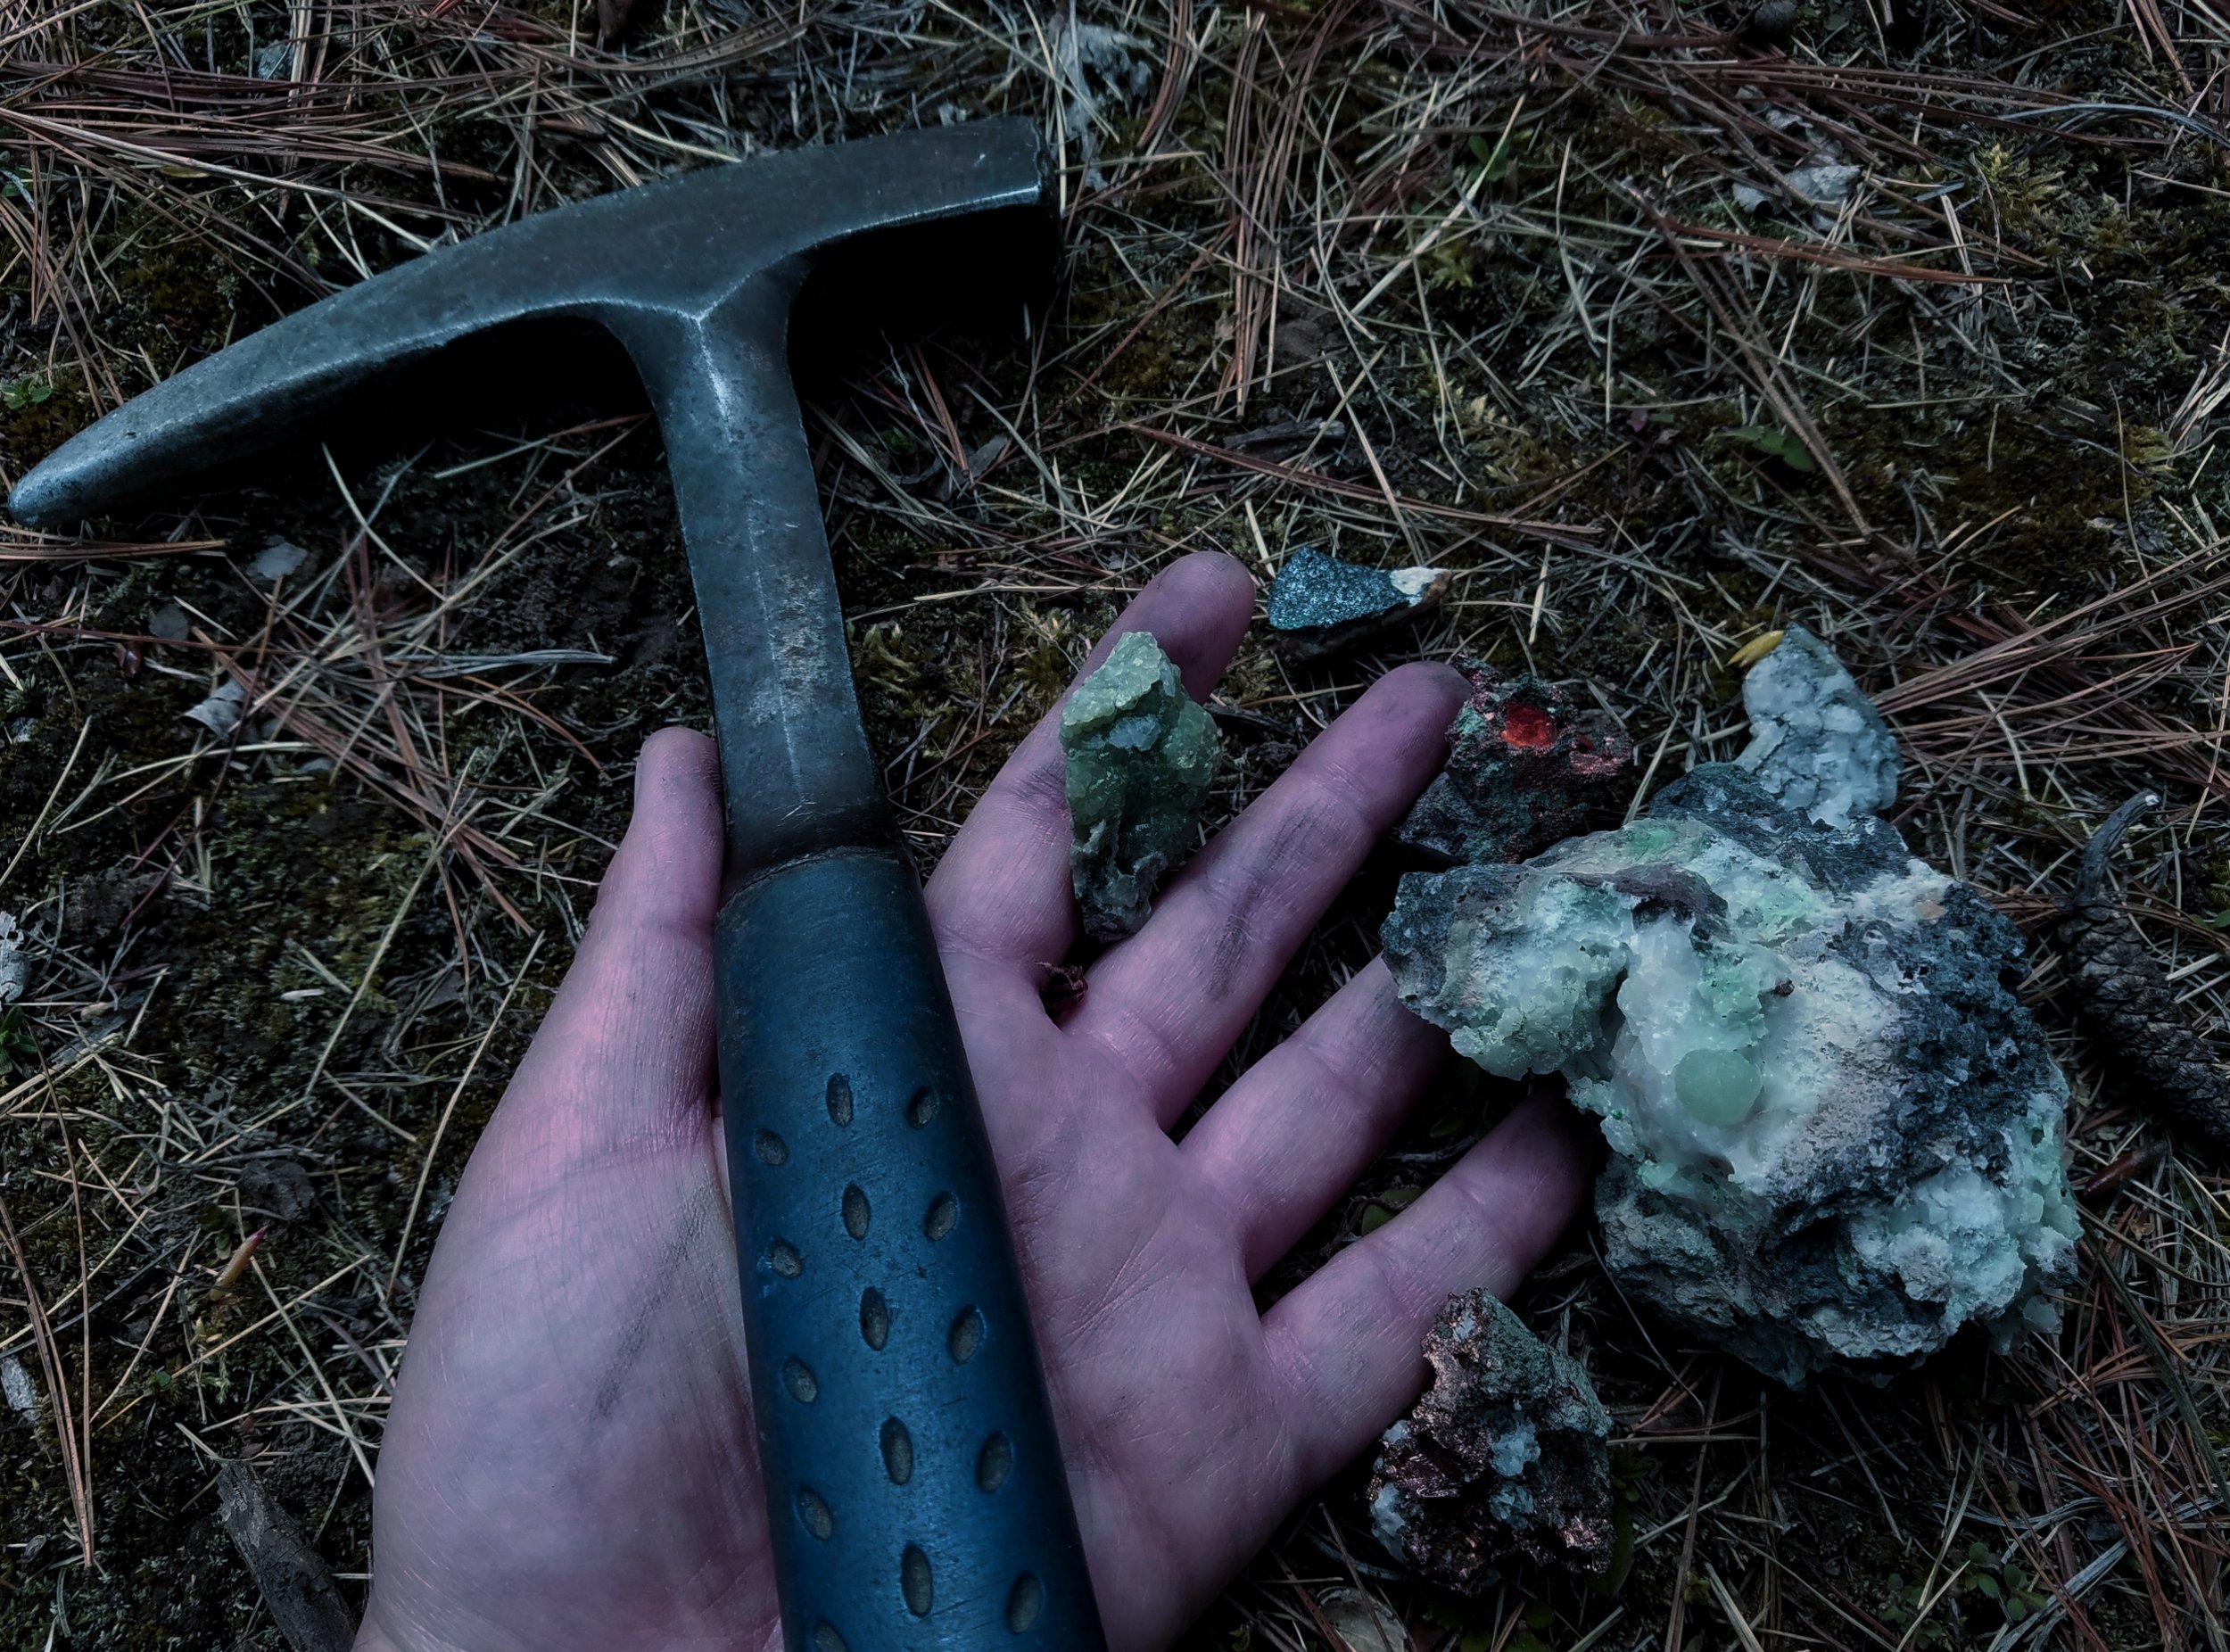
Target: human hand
column 569, row 1460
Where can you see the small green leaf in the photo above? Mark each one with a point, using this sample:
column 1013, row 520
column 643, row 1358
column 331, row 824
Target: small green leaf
column 1775, row 443
column 1977, row 1554
column 1374, row 1218
column 1540, row 1615
column 1494, row 164
column 18, row 1051
column 1987, row 1585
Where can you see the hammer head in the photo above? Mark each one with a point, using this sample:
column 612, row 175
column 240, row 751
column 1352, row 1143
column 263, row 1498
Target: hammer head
column 718, row 252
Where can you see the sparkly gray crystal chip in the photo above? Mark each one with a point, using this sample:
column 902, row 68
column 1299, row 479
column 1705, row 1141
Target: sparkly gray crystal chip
column 1319, row 604
column 1506, row 1454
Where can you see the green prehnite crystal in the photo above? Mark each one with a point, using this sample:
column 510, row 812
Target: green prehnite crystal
column 1717, row 1086
column 1141, row 756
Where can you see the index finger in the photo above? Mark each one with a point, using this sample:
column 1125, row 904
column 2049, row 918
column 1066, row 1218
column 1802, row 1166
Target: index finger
column 1002, row 892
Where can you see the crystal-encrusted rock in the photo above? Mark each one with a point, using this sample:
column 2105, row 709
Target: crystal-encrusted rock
column 1319, row 605
column 1506, row 1455
column 1527, row 766
column 1816, row 742
column 1141, row 756
column 1836, row 1135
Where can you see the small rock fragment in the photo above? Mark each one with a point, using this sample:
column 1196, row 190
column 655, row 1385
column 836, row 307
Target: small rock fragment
column 19, row 1389
column 277, row 560
column 1319, row 605
column 169, row 623
column 279, row 1187
column 1526, row 767
column 1827, row 185
column 12, row 960
column 2125, row 1002
column 100, row 904
column 221, row 712
column 1772, row 22
column 1141, row 756
column 1363, row 1621
column 1505, row 1454
column 1816, row 742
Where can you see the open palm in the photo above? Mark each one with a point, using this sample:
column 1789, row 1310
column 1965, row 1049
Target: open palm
column 570, row 1462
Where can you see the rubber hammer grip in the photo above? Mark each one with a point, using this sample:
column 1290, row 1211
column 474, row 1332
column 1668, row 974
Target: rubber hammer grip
column 911, row 1464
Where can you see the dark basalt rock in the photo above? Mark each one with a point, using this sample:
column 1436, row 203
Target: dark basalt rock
column 1525, row 767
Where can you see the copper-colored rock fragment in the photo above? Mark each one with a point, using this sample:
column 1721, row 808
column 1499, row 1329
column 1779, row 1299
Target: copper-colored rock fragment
column 1507, row 1455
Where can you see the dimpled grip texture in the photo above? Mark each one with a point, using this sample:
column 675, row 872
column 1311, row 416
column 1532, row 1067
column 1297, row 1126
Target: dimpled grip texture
column 911, row 1465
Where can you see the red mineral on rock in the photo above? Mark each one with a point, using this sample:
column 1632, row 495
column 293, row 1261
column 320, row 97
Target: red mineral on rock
column 1527, row 767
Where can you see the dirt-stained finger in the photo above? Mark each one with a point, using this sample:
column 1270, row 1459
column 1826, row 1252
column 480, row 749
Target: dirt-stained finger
column 1002, row 891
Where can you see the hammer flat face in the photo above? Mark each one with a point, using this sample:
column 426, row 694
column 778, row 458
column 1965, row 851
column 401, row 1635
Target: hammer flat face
column 695, row 276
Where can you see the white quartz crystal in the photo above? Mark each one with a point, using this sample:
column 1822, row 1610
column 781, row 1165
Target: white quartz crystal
column 1816, row 743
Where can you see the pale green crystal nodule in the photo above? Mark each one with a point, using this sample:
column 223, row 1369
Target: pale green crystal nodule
column 1141, row 756
column 1717, row 1086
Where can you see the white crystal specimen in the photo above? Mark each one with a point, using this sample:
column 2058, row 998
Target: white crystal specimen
column 1816, row 742
column 1836, row 1135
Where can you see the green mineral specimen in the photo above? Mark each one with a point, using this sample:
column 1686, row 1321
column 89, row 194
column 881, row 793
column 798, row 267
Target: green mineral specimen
column 1834, row 1132
column 1141, row 756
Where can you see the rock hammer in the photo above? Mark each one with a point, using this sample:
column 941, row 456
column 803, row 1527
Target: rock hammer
column 907, row 1446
